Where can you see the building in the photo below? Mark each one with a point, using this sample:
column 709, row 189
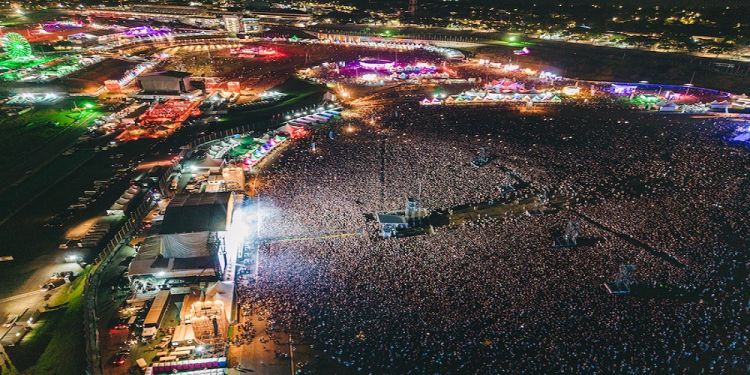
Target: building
column 156, row 311
column 94, row 37
column 171, row 10
column 209, row 321
column 190, row 239
column 281, row 17
column 215, row 183
column 234, row 178
column 191, row 15
column 168, row 82
column 232, row 23
column 191, row 213
column 390, row 224
column 231, row 178
column 251, row 25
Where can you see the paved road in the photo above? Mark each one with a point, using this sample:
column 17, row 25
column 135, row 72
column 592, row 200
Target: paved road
column 260, row 354
column 29, row 295
column 23, row 295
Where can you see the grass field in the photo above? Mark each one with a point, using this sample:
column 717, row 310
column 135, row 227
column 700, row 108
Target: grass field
column 30, row 139
column 26, row 63
column 6, row 368
column 58, row 335
column 90, row 78
column 11, row 18
column 17, row 195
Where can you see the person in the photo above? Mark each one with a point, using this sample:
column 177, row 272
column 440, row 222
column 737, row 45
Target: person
column 488, row 294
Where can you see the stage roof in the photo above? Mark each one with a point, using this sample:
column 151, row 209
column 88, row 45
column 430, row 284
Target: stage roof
column 204, row 212
column 168, row 73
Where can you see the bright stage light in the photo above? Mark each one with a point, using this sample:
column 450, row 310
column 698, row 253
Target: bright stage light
column 369, row 77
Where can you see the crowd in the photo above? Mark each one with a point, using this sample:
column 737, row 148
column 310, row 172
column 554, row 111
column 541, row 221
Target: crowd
column 492, row 295
column 268, row 71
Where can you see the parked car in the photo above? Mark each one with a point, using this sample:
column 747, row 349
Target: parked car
column 119, row 359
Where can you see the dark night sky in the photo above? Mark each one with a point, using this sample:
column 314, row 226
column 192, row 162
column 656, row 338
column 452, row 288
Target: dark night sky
column 527, row 3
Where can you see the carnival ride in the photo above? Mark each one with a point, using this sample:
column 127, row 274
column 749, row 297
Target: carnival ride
column 16, row 46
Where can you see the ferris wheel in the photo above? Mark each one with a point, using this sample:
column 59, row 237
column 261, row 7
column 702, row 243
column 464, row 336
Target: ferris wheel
column 16, row 46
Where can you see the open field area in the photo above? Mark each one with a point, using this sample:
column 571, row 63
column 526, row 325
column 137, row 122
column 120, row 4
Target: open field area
column 56, row 336
column 26, row 63
column 31, row 139
column 614, row 64
column 10, row 18
column 59, row 183
column 91, row 78
column 262, row 71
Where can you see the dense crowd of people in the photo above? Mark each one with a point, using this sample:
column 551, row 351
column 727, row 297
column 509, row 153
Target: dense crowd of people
column 666, row 194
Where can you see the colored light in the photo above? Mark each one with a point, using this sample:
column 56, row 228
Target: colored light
column 16, row 46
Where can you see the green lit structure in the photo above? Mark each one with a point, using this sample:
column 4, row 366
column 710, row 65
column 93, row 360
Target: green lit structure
column 16, row 46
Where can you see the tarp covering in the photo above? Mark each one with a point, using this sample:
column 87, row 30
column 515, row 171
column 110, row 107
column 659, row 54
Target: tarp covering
column 184, row 245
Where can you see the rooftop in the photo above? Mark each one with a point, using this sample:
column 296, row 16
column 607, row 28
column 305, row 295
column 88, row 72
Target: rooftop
column 197, row 213
column 391, row 219
column 168, row 73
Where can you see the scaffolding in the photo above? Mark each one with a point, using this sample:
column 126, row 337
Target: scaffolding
column 569, row 238
column 481, row 159
column 623, row 280
column 209, row 322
